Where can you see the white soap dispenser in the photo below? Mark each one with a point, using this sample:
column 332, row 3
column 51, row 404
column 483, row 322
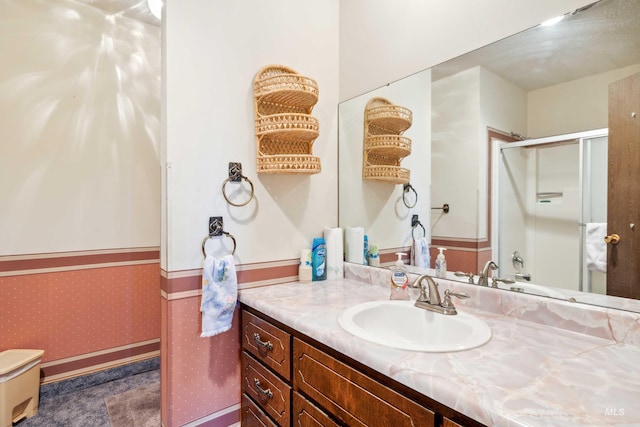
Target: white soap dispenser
column 399, row 280
column 441, row 264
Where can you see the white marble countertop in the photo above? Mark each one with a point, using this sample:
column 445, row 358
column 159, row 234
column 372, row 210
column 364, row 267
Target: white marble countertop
column 528, row 374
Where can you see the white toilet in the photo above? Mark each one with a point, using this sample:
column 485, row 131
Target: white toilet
column 19, row 384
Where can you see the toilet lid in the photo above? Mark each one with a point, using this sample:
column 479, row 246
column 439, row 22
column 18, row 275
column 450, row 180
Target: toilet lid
column 13, row 359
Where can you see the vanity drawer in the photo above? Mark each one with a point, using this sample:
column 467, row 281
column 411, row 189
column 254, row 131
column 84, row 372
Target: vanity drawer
column 272, row 394
column 268, row 343
column 353, row 398
column 306, row 414
column 253, row 416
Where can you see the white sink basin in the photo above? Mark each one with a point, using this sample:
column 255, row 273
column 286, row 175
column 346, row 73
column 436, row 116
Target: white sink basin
column 401, row 325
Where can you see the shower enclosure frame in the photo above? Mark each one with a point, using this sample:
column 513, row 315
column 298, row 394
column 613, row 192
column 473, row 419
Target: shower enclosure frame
column 583, row 175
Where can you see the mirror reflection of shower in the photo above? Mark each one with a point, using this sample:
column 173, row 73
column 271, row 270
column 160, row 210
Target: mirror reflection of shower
column 549, row 190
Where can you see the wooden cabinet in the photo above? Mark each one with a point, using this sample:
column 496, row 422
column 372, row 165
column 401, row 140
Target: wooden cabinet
column 266, row 372
column 288, row 380
column 306, row 414
column 355, row 399
column 268, row 343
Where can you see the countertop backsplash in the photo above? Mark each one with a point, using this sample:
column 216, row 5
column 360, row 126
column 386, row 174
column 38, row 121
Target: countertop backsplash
column 611, row 324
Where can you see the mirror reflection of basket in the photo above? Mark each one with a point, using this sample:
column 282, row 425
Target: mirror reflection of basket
column 285, row 128
column 384, row 146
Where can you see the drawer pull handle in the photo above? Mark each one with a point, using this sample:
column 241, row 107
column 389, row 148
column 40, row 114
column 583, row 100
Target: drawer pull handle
column 268, row 393
column 267, row 345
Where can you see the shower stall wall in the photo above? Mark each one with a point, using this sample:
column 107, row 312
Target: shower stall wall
column 547, row 190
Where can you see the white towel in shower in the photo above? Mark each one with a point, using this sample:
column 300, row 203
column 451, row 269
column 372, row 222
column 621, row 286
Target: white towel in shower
column 595, row 246
column 219, row 294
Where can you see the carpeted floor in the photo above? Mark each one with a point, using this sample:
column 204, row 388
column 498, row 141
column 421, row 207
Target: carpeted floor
column 83, row 403
column 139, row 407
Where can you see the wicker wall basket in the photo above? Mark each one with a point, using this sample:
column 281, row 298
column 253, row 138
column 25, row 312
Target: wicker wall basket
column 285, row 128
column 384, row 146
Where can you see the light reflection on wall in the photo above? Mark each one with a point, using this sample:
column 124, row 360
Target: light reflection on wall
column 79, row 128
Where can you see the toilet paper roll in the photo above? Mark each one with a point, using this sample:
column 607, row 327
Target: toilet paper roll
column 335, row 251
column 354, row 245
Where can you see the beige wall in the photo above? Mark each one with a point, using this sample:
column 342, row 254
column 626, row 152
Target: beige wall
column 79, row 185
column 574, row 106
column 80, row 126
column 378, row 206
column 464, row 106
column 213, row 50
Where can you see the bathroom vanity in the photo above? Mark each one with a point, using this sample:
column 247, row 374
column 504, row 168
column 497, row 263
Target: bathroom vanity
column 548, row 362
column 283, row 371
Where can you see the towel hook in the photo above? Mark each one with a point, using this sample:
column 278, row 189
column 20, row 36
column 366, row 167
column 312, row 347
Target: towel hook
column 216, row 229
column 414, row 223
column 235, row 175
column 405, row 190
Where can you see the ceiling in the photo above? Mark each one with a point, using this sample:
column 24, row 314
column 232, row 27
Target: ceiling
column 594, row 39
column 134, row 9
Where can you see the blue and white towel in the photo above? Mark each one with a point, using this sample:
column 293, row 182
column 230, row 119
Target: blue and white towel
column 421, row 257
column 219, row 294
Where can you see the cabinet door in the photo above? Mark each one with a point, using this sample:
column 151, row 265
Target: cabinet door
column 306, row 414
column 270, row 392
column 353, row 398
column 253, row 416
column 446, row 422
column 268, row 343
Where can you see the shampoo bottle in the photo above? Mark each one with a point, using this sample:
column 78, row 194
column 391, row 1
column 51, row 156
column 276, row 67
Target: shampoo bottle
column 441, row 264
column 399, row 280
column 319, row 260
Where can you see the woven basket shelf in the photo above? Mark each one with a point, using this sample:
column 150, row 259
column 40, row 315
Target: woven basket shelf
column 384, row 146
column 288, row 126
column 289, row 164
column 389, row 145
column 285, row 128
column 391, row 174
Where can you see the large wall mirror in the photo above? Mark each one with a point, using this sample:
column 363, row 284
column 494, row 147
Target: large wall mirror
column 532, row 109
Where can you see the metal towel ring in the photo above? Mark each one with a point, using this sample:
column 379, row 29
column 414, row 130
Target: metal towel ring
column 406, row 189
column 216, row 229
column 235, row 175
column 414, row 223
column 226, row 233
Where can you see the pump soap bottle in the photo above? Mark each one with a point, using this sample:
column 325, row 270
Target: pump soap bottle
column 399, row 280
column 441, row 264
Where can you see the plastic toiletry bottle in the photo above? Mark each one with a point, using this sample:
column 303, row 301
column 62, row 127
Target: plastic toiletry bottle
column 374, row 256
column 399, row 280
column 319, row 259
column 366, row 250
column 441, row 264
column 305, row 271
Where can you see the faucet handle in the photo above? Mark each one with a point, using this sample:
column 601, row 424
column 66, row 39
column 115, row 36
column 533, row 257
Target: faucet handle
column 447, row 305
column 468, row 275
column 448, row 294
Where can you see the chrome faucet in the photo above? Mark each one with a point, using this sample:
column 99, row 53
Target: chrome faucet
column 483, row 280
column 433, row 302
